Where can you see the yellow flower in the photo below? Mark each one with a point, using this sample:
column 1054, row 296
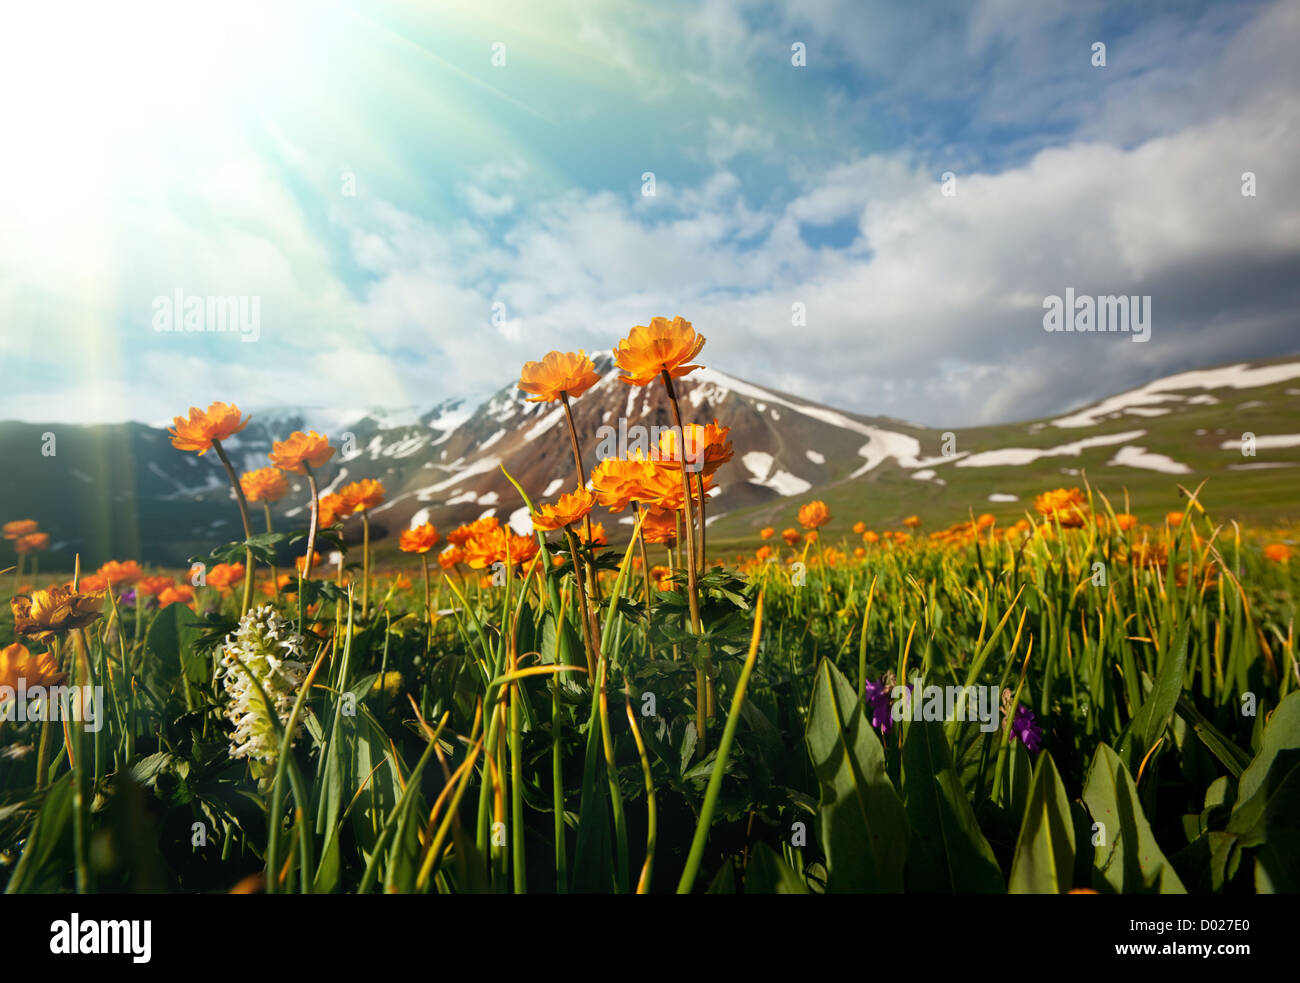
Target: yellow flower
column 45, row 613
column 16, row 663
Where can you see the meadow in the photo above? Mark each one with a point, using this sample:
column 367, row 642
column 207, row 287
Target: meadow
column 1081, row 700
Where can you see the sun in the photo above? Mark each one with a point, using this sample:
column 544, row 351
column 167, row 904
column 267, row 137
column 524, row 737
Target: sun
column 99, row 95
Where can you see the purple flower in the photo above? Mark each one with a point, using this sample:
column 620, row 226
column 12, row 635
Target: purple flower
column 127, row 597
column 876, row 700
column 1024, row 727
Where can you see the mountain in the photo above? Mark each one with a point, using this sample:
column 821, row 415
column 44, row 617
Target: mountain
column 123, row 491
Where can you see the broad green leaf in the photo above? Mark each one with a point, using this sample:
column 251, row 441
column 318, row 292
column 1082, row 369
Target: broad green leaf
column 50, row 837
column 1125, row 853
column 724, row 881
column 1044, row 857
column 171, row 641
column 1230, row 756
column 862, row 821
column 1158, row 708
column 1275, row 806
column 768, row 873
column 949, row 852
column 1282, row 732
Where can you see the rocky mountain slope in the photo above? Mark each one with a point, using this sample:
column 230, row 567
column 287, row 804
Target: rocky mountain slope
column 123, row 490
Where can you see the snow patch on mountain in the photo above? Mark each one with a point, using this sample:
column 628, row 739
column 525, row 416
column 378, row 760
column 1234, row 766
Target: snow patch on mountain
column 1140, row 457
column 1241, row 376
column 1266, row 442
column 1017, row 456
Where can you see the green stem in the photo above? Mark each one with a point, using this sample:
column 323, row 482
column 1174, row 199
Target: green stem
column 692, row 868
column 248, row 529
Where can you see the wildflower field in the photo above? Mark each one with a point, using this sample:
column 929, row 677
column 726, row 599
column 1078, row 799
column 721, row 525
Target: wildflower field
column 1084, row 700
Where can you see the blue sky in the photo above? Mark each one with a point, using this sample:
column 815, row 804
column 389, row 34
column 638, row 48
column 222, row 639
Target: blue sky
column 156, row 149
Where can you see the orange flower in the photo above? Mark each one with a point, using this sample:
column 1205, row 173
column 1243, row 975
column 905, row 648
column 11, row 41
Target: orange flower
column 767, row 532
column 450, row 557
column 814, row 514
column 1125, row 521
column 570, row 508
column 19, row 528
column 149, row 586
column 421, row 539
column 912, row 521
column 859, row 527
column 282, row 582
column 984, row 521
column 361, row 496
column 597, row 535
column 486, row 549
column 494, row 545
column 33, row 541
column 870, row 537
column 524, row 548
column 311, row 449
column 223, row 575
column 179, row 594
column 1064, row 505
column 16, row 663
column 121, row 573
column 763, row 554
column 264, row 485
column 1278, row 552
column 662, row 346
column 45, row 613
column 1174, row 518
column 791, row 536
column 859, row 552
column 92, row 583
column 328, row 510
column 459, row 536
column 1146, row 554
column 199, row 431
column 707, row 447
column 659, row 526
column 301, row 562
column 401, row 582
column 558, row 374
column 617, row 483
column 662, row 486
